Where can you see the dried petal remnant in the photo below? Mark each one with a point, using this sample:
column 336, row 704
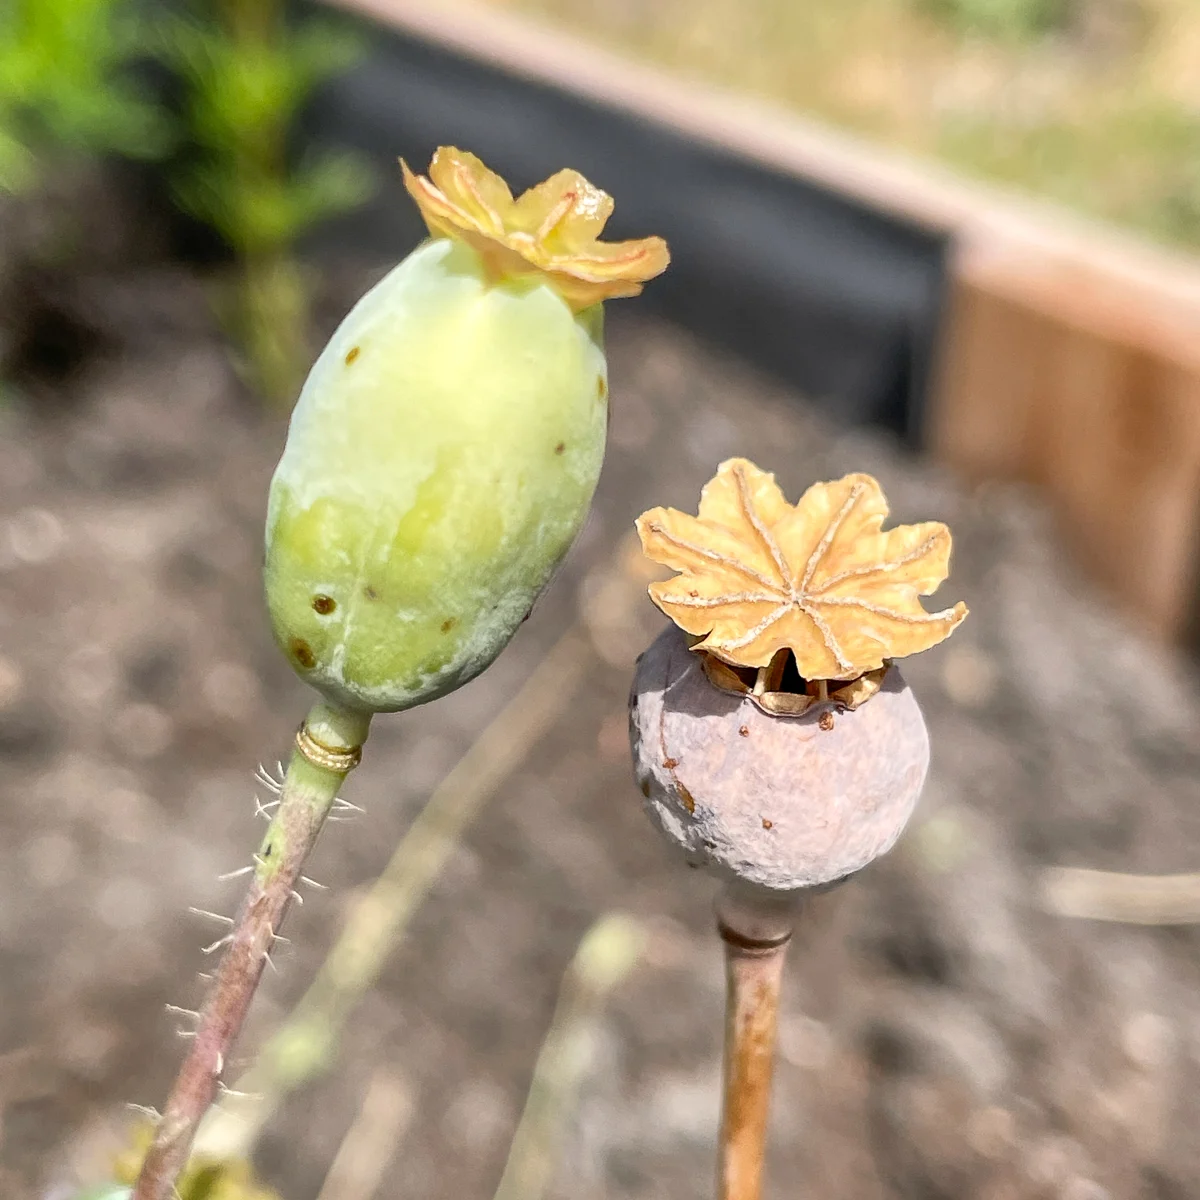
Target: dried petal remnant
column 553, row 229
column 821, row 577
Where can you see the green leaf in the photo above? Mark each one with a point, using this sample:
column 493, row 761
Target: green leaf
column 336, row 182
column 64, row 81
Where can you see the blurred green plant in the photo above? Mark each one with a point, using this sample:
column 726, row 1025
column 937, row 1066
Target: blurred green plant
column 65, row 87
column 247, row 74
column 1013, row 20
column 204, row 1179
column 1156, row 146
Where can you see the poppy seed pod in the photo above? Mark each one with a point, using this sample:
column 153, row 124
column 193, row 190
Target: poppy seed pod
column 445, row 448
column 773, row 736
column 783, row 802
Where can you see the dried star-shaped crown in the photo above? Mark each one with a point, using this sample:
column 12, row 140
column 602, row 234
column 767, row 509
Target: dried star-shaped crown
column 821, row 578
column 552, row 229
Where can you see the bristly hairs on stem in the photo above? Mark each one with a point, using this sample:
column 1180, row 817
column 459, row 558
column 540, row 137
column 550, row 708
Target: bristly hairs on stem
column 303, row 1046
column 328, row 746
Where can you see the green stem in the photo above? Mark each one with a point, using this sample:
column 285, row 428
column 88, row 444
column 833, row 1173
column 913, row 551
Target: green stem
column 307, row 1042
column 272, row 324
column 327, row 747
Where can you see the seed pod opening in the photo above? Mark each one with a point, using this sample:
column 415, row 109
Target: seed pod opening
column 773, row 737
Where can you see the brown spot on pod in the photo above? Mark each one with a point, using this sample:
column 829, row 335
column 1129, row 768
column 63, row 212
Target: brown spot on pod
column 352, row 354
column 688, row 800
column 826, row 720
column 670, row 763
column 448, row 624
column 743, row 730
column 601, row 387
column 768, row 823
column 560, row 447
column 323, row 604
column 302, row 652
column 370, row 592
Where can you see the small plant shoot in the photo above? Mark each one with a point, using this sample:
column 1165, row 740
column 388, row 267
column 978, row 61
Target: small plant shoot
column 66, row 88
column 248, row 72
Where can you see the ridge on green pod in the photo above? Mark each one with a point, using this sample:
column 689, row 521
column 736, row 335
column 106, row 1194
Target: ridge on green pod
column 445, row 448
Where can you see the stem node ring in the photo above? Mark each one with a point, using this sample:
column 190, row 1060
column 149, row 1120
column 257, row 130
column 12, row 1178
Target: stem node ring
column 329, row 758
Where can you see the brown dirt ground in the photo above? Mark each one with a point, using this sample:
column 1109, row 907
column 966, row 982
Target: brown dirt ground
column 942, row 1037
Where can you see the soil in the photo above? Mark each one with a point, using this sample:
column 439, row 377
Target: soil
column 942, row 1034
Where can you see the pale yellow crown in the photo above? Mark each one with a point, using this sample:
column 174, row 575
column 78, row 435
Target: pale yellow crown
column 821, row 578
column 553, row 229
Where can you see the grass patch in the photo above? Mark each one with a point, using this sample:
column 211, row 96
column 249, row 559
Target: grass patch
column 1093, row 103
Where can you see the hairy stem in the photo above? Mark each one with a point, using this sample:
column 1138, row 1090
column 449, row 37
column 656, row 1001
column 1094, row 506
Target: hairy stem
column 306, row 1043
column 327, row 747
column 755, row 931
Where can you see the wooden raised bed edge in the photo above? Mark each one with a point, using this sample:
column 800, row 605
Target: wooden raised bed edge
column 1068, row 354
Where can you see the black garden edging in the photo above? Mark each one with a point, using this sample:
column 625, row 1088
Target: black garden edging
column 839, row 299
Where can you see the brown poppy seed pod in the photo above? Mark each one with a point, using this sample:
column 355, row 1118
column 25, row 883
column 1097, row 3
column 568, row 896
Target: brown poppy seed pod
column 778, row 744
column 782, row 802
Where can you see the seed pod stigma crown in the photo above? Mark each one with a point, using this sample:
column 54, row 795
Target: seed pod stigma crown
column 820, row 578
column 552, row 229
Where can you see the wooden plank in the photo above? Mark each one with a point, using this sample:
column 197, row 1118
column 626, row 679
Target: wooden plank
column 1108, row 429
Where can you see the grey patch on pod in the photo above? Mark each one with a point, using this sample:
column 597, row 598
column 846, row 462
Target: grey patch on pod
column 782, row 802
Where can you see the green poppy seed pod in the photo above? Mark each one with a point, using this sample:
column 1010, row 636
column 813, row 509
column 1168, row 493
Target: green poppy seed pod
column 444, row 450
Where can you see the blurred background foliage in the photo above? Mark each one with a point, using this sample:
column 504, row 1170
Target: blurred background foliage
column 65, row 90
column 247, row 75
column 76, row 85
column 1094, row 103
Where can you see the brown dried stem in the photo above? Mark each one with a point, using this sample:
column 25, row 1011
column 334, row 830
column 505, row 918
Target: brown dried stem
column 1118, row 896
column 327, row 748
column 755, row 930
column 361, row 1163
